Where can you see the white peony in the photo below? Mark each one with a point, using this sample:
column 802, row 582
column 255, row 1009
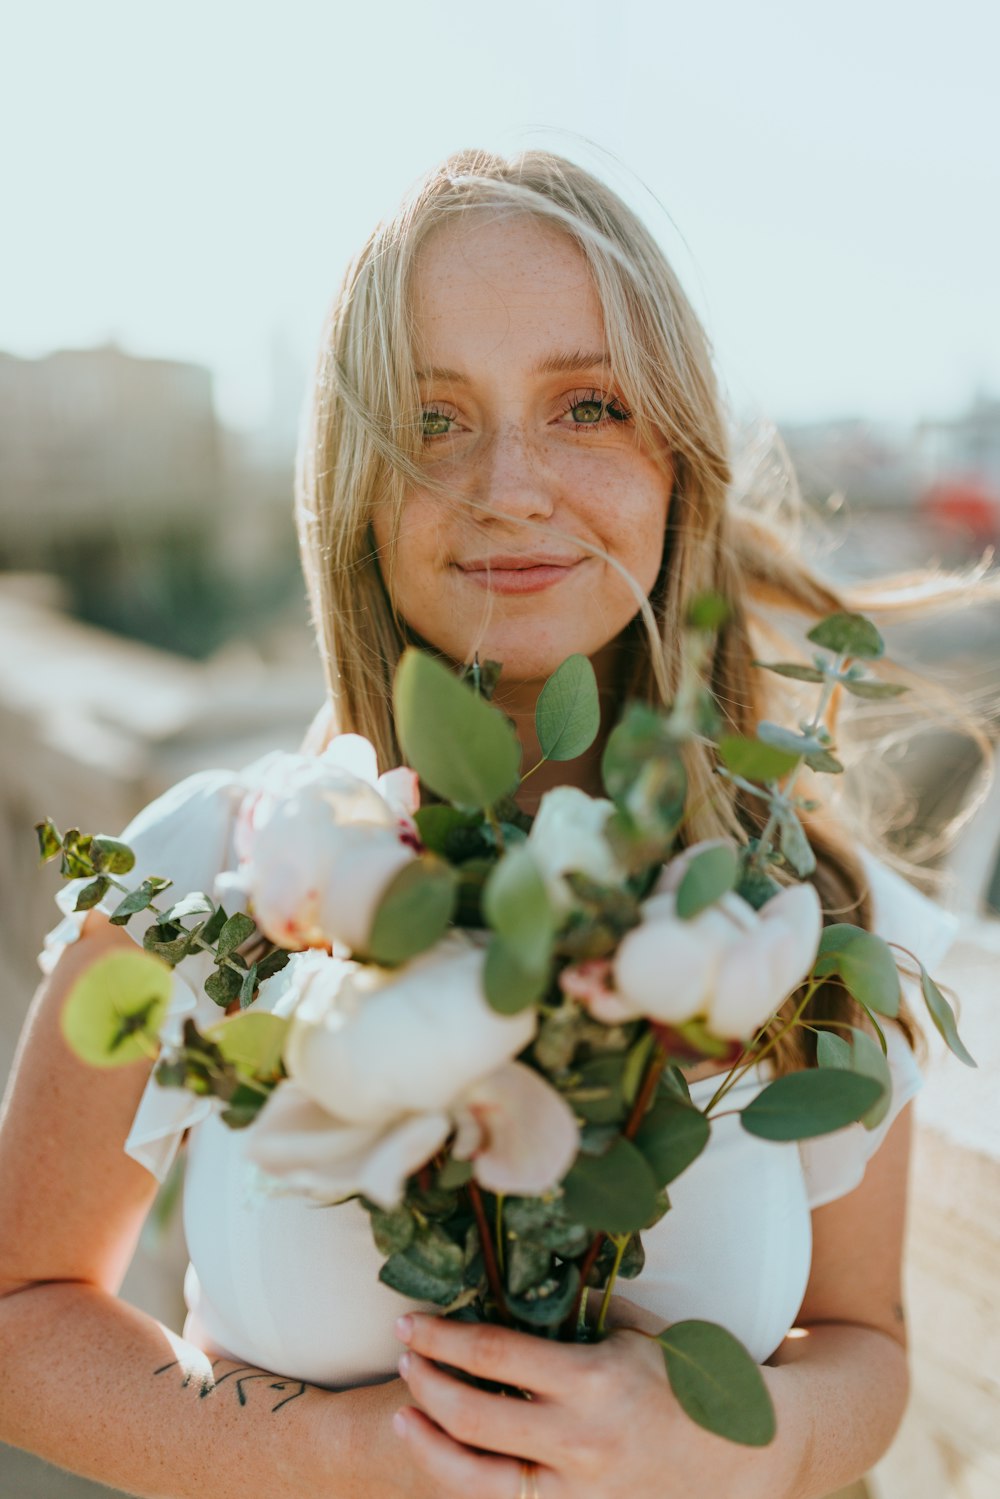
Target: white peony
column 318, row 840
column 567, row 837
column 383, row 1066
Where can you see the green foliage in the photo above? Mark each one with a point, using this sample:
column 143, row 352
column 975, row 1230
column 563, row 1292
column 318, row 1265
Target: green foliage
column 596, row 1091
column 860, row 1054
column 753, row 759
column 110, row 855
column 545, row 1222
column 717, row 1383
column 438, row 824
column 549, row 1302
column 92, row 893
column 943, row 1017
column 848, row 635
column 251, row 1043
column 864, row 963
column 795, row 847
column 794, row 669
column 568, row 712
column 414, row 911
column 49, row 840
column 235, row 932
column 671, row 1136
column 709, row 875
column 510, row 984
column 815, row 1101
column 462, row 747
column 430, row 1268
column 114, row 1010
column 709, row 611
column 615, row 1192
column 138, row 899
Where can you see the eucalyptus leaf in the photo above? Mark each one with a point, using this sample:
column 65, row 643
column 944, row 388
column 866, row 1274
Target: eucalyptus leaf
column 136, row 900
column 549, row 1303
column 782, row 738
column 717, row 1382
column 195, row 904
column 709, row 611
column 814, row 1101
column 865, row 964
column 568, row 711
column 392, row 1230
column 437, row 823
column 414, row 910
column 848, row 635
column 462, row 747
column 754, row 760
column 528, row 1265
column 793, row 669
column 614, row 1193
column 110, row 855
column 235, row 932
column 92, row 893
column 671, row 1136
column 510, row 985
column 113, row 1012
column 709, row 875
column 248, row 988
column 49, row 840
column 867, row 687
column 253, row 1043
column 516, row 904
column 795, row 846
column 544, row 1221
column 943, row 1017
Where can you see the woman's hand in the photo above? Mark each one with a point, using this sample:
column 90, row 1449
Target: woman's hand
column 602, row 1421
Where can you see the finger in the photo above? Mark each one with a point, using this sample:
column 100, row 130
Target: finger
column 497, row 1353
column 522, row 1428
column 455, row 1469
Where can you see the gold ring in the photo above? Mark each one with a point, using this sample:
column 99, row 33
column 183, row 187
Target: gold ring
column 529, row 1482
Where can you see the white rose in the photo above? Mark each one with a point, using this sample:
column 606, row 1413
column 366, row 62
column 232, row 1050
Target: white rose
column 567, row 837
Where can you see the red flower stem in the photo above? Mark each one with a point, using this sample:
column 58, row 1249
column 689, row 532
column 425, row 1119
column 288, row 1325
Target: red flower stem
column 643, row 1098
column 489, row 1256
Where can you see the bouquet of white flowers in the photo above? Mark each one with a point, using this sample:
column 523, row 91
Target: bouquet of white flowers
column 481, row 1017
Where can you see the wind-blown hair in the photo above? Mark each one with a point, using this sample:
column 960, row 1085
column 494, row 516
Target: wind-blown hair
column 732, row 533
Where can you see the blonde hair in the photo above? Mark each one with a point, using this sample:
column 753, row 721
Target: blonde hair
column 360, row 446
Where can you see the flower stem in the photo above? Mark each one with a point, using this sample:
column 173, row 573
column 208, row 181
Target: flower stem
column 499, row 1228
column 621, row 1244
column 734, row 1076
column 489, row 1257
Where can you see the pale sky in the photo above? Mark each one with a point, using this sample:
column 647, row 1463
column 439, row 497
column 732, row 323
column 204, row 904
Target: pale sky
column 191, row 177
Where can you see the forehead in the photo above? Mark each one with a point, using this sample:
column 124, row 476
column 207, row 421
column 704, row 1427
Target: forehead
column 503, row 285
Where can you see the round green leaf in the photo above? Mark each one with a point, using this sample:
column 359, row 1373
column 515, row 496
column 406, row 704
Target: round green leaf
column 568, row 711
column 252, row 1042
column 113, row 1013
column 848, row 635
column 510, row 984
column 516, row 904
column 815, row 1101
column 864, row 962
column 709, row 875
column 717, row 1382
column 615, row 1193
column 414, row 911
column 462, row 747
column 793, row 669
column 671, row 1136
column 754, row 760
column 110, row 855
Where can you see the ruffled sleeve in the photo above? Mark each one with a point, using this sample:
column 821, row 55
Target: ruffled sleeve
column 184, row 835
column 834, row 1164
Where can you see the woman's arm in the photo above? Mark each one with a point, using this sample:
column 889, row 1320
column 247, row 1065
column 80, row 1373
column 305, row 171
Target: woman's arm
column 89, row 1382
column 604, row 1420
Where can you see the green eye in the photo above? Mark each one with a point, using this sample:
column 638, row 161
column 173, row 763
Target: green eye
column 592, row 412
column 435, row 423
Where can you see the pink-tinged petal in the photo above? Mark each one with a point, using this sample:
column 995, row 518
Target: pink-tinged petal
column 591, row 983
column 671, row 874
column 528, row 1133
column 306, row 1150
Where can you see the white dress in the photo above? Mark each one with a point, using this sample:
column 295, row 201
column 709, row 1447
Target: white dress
column 283, row 1284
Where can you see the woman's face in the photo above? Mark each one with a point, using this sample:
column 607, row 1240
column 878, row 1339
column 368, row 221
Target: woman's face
column 518, row 414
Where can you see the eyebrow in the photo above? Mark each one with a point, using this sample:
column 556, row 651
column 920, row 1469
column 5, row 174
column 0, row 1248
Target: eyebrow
column 551, row 364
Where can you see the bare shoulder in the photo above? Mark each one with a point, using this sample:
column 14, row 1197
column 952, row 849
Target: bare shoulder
column 73, row 1201
column 858, row 1240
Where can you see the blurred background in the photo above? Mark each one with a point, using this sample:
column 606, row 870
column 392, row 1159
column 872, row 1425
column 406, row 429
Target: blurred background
column 182, row 188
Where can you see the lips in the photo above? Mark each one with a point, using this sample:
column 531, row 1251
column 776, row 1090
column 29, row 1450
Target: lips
column 518, row 572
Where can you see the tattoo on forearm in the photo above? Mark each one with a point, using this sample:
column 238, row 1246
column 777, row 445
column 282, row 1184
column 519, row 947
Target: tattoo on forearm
column 897, row 1311
column 242, row 1376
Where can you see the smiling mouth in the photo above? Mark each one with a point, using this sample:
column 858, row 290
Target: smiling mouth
column 514, row 574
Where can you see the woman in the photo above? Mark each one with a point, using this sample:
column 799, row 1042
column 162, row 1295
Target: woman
column 516, row 448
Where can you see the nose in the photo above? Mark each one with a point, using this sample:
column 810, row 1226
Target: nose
column 513, row 478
